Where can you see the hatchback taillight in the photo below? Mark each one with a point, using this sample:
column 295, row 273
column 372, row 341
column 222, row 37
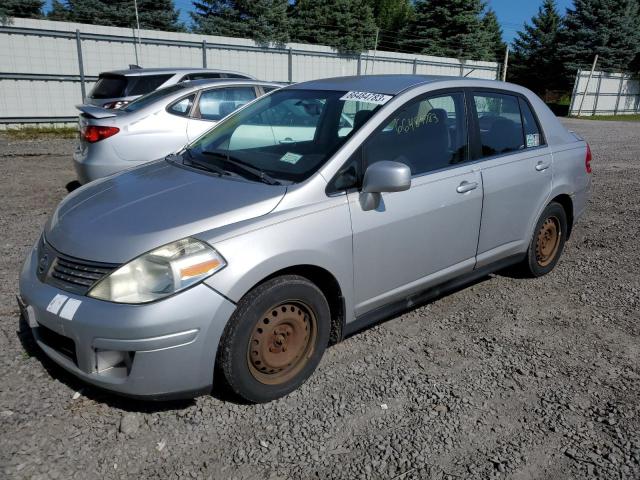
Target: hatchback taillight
column 587, row 160
column 95, row 133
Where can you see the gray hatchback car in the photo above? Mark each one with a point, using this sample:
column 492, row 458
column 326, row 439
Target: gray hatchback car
column 301, row 218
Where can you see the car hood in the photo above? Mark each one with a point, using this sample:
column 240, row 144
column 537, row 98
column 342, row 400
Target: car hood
column 120, row 217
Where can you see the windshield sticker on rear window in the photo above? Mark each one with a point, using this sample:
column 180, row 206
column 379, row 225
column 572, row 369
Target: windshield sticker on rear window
column 367, row 97
column 291, row 158
column 533, row 140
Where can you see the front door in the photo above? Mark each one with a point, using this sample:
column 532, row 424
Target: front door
column 428, row 233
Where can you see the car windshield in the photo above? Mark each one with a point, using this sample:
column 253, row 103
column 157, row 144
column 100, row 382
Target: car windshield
column 152, row 97
column 288, row 135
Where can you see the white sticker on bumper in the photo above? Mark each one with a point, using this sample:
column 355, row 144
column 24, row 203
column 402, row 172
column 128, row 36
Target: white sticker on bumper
column 56, row 303
column 70, row 308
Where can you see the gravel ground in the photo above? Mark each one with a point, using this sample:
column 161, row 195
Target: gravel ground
column 508, row 378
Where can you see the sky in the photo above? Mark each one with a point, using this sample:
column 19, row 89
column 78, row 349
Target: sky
column 511, row 13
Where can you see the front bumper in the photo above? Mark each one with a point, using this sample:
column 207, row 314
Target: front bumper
column 168, row 348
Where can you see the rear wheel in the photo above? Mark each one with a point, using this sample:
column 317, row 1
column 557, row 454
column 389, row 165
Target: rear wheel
column 548, row 241
column 275, row 339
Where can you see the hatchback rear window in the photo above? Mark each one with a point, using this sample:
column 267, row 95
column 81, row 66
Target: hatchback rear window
column 118, row 86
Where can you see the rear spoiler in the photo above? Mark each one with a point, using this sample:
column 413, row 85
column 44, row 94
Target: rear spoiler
column 97, row 112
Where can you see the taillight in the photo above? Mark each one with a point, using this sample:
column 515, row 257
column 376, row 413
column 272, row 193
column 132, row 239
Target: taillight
column 95, row 133
column 587, row 160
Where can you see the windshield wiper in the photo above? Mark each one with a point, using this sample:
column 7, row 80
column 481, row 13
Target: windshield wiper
column 255, row 172
column 204, row 165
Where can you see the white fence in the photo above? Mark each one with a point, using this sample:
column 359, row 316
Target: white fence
column 46, row 67
column 605, row 94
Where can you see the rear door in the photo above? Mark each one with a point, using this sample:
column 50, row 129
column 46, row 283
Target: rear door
column 214, row 104
column 428, row 233
column 516, row 168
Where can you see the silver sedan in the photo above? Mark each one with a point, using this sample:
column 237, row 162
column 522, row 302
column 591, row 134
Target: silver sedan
column 287, row 227
column 156, row 124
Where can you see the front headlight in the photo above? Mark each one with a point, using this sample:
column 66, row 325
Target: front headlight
column 160, row 273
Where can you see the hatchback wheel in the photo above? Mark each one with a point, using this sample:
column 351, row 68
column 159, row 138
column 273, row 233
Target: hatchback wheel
column 275, row 339
column 548, row 241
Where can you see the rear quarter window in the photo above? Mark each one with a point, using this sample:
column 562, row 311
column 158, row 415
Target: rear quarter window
column 140, row 85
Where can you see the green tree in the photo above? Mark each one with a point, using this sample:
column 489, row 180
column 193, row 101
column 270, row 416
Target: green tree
column 346, row 25
column 493, row 33
column 264, row 21
column 391, row 17
column 448, row 28
column 21, row 8
column 608, row 28
column 535, row 62
column 152, row 14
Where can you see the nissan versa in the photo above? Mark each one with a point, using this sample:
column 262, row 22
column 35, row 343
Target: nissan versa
column 285, row 228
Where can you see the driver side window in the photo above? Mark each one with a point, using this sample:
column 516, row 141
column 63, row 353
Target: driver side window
column 428, row 133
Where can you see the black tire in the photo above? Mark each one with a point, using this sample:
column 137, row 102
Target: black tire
column 543, row 255
column 306, row 320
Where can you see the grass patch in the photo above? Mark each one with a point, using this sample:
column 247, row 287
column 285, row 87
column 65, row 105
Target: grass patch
column 32, row 133
column 616, row 118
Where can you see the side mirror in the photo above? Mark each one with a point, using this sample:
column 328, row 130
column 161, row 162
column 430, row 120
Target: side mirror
column 382, row 177
column 386, row 176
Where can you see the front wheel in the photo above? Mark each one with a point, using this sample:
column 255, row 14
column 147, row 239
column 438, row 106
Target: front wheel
column 547, row 243
column 275, row 339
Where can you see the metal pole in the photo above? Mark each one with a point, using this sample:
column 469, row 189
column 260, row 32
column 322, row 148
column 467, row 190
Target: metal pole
column 135, row 4
column 135, row 45
column 586, row 89
column 615, row 112
column 415, row 66
column 506, row 64
column 290, row 65
column 204, row 54
column 375, row 50
column 595, row 102
column 81, row 65
column 360, row 63
column 574, row 91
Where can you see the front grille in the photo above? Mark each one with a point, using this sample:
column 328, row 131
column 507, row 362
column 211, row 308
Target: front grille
column 68, row 273
column 61, row 344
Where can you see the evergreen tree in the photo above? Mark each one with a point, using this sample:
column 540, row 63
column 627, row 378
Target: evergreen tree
column 608, row 28
column 535, row 62
column 265, row 21
column 448, row 28
column 493, row 32
column 152, row 14
column 391, row 17
column 21, row 8
column 346, row 25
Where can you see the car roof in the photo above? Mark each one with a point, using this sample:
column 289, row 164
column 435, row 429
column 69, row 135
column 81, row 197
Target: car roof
column 130, row 72
column 229, row 81
column 385, row 84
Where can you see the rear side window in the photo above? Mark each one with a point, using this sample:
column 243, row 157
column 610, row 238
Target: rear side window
column 200, row 76
column 500, row 123
column 182, row 106
column 427, row 134
column 219, row 102
column 532, row 134
column 234, row 75
column 140, row 85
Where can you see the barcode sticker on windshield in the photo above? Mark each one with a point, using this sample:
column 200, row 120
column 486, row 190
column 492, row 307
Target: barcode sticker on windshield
column 367, row 97
column 290, row 158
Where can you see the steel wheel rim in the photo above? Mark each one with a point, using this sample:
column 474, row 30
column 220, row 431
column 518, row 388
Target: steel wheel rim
column 548, row 241
column 281, row 342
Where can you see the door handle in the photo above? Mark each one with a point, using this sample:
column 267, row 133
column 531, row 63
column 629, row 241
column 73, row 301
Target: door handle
column 465, row 187
column 542, row 166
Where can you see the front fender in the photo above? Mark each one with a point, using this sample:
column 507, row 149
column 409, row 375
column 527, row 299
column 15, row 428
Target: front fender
column 321, row 238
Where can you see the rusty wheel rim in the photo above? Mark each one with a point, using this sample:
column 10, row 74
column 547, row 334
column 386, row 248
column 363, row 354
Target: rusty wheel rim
column 548, row 241
column 281, row 343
